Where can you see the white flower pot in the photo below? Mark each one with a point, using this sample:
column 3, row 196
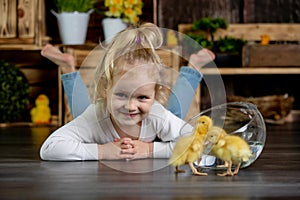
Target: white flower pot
column 73, row 26
column 111, row 26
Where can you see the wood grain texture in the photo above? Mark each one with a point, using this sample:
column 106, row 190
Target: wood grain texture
column 27, row 12
column 8, row 20
column 188, row 11
column 277, row 55
column 275, row 175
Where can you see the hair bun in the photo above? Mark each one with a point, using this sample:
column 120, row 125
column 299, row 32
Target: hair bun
column 149, row 35
column 146, row 35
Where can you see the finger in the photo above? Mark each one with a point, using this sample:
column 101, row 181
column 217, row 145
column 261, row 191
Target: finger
column 127, row 156
column 128, row 151
column 126, row 146
column 127, row 141
column 116, row 139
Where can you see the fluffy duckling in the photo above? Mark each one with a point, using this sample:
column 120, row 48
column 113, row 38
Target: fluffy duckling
column 230, row 148
column 188, row 149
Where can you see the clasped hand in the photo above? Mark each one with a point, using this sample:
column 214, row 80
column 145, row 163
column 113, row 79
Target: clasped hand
column 124, row 148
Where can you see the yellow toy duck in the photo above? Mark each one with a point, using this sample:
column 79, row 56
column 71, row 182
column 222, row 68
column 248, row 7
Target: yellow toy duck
column 41, row 114
column 171, row 38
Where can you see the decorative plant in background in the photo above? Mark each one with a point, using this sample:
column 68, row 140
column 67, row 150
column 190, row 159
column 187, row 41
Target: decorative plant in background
column 128, row 10
column 78, row 5
column 210, row 25
column 203, row 32
column 230, row 45
column 14, row 92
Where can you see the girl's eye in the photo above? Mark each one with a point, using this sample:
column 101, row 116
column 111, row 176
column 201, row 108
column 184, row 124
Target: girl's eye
column 143, row 97
column 121, row 95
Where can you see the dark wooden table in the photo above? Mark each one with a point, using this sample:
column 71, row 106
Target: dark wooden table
column 275, row 175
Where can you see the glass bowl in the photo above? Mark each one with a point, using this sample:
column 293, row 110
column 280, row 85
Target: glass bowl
column 237, row 118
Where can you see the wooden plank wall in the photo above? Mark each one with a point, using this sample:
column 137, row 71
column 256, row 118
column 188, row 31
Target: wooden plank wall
column 233, row 11
column 271, row 11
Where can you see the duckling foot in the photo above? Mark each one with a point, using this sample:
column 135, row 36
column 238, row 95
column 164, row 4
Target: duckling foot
column 225, row 165
column 177, row 170
column 237, row 168
column 226, row 174
column 195, row 171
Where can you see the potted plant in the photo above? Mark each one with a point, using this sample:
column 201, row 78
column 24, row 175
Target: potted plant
column 14, row 92
column 73, row 18
column 228, row 52
column 119, row 14
column 227, row 49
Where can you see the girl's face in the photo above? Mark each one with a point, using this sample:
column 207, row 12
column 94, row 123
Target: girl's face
column 130, row 99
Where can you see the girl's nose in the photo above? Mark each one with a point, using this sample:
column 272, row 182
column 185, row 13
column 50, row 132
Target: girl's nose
column 131, row 105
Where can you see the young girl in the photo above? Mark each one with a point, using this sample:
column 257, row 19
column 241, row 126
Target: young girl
column 125, row 117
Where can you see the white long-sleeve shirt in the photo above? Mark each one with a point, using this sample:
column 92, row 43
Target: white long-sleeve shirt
column 79, row 139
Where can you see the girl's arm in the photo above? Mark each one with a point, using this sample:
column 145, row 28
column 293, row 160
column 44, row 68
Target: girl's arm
column 66, row 144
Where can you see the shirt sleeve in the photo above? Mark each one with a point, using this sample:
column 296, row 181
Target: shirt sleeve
column 73, row 141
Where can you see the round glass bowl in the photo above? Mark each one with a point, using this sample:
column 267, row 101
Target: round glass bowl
column 238, row 118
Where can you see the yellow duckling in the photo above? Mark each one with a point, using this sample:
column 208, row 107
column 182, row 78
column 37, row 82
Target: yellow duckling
column 188, row 149
column 41, row 114
column 230, row 148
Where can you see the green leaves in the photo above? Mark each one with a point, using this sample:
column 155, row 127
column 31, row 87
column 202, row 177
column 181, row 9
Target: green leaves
column 230, row 45
column 14, row 92
column 200, row 39
column 75, row 5
column 210, row 25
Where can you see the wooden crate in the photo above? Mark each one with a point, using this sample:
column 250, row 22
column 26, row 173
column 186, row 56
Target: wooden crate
column 277, row 55
column 43, row 78
column 22, row 23
column 8, row 21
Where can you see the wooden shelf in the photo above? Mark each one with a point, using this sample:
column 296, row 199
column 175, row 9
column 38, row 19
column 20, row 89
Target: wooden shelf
column 249, row 71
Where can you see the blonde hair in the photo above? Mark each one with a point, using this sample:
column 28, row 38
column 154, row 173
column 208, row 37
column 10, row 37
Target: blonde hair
column 136, row 43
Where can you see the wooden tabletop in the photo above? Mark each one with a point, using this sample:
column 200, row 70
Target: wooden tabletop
column 275, row 175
